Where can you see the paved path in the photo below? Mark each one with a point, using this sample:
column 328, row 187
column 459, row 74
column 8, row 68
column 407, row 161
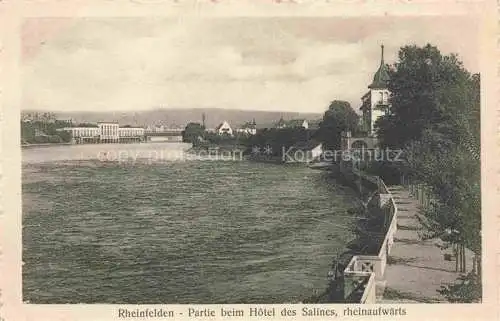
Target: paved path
column 416, row 269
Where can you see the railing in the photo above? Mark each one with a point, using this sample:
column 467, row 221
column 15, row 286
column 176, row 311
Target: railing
column 372, row 267
column 359, row 286
column 369, row 295
column 420, row 191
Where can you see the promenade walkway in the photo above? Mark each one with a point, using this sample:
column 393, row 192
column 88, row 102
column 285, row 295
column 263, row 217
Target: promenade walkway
column 416, row 269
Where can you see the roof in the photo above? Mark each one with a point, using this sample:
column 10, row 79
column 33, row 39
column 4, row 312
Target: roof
column 381, row 77
column 249, row 124
column 280, row 122
column 291, row 123
column 222, row 124
column 295, row 122
column 305, row 145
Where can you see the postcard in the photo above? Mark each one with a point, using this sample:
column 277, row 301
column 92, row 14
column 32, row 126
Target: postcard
column 249, row 160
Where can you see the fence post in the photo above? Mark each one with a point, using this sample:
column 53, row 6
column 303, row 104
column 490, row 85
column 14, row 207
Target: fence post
column 427, row 198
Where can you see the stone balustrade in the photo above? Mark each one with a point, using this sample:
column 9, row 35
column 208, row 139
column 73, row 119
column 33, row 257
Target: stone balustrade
column 366, row 272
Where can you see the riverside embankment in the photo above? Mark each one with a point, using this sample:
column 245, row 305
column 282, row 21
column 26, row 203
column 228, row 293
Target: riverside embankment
column 390, row 261
column 44, row 145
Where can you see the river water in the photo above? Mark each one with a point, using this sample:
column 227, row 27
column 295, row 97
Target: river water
column 142, row 223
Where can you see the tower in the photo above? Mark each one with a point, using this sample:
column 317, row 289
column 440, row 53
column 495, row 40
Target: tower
column 203, row 119
column 376, row 100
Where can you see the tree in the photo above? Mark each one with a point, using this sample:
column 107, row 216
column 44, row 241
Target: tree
column 435, row 119
column 428, row 91
column 192, row 131
column 338, row 118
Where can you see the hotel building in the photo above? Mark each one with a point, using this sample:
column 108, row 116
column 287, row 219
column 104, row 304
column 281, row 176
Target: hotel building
column 105, row 132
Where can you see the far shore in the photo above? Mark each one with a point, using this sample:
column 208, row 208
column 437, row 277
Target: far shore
column 44, row 145
column 72, row 144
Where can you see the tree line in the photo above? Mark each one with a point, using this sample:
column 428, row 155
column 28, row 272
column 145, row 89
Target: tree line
column 434, row 118
column 43, row 132
column 276, row 139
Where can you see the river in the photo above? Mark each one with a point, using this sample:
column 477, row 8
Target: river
column 143, row 223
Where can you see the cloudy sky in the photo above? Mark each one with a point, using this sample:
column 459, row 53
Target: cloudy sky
column 293, row 64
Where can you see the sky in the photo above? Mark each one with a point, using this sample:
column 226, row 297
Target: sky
column 295, row 64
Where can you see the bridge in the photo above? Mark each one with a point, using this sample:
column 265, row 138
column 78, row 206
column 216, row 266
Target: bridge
column 167, row 135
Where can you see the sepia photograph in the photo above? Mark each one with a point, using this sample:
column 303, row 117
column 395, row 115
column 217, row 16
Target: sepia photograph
column 251, row 160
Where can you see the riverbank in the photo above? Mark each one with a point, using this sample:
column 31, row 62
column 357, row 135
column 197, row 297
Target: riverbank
column 389, row 261
column 368, row 230
column 44, row 145
column 73, row 144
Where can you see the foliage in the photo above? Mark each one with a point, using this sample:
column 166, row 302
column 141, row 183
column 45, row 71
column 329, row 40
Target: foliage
column 467, row 289
column 435, row 119
column 338, row 118
column 192, row 132
column 430, row 92
column 279, row 138
column 42, row 132
column 209, row 139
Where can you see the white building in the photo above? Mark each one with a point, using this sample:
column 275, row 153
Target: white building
column 249, row 128
column 375, row 103
column 105, row 133
column 83, row 132
column 109, row 132
column 316, row 151
column 224, row 129
column 129, row 132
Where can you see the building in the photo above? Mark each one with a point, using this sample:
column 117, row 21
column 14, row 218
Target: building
column 130, row 133
column 82, row 135
column 249, row 128
column 224, row 129
column 294, row 123
column 281, row 123
column 108, row 132
column 375, row 103
column 304, row 152
column 105, row 132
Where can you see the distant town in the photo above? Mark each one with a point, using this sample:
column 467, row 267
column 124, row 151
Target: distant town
column 46, row 128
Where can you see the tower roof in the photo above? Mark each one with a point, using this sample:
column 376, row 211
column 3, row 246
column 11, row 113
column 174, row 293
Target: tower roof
column 381, row 77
